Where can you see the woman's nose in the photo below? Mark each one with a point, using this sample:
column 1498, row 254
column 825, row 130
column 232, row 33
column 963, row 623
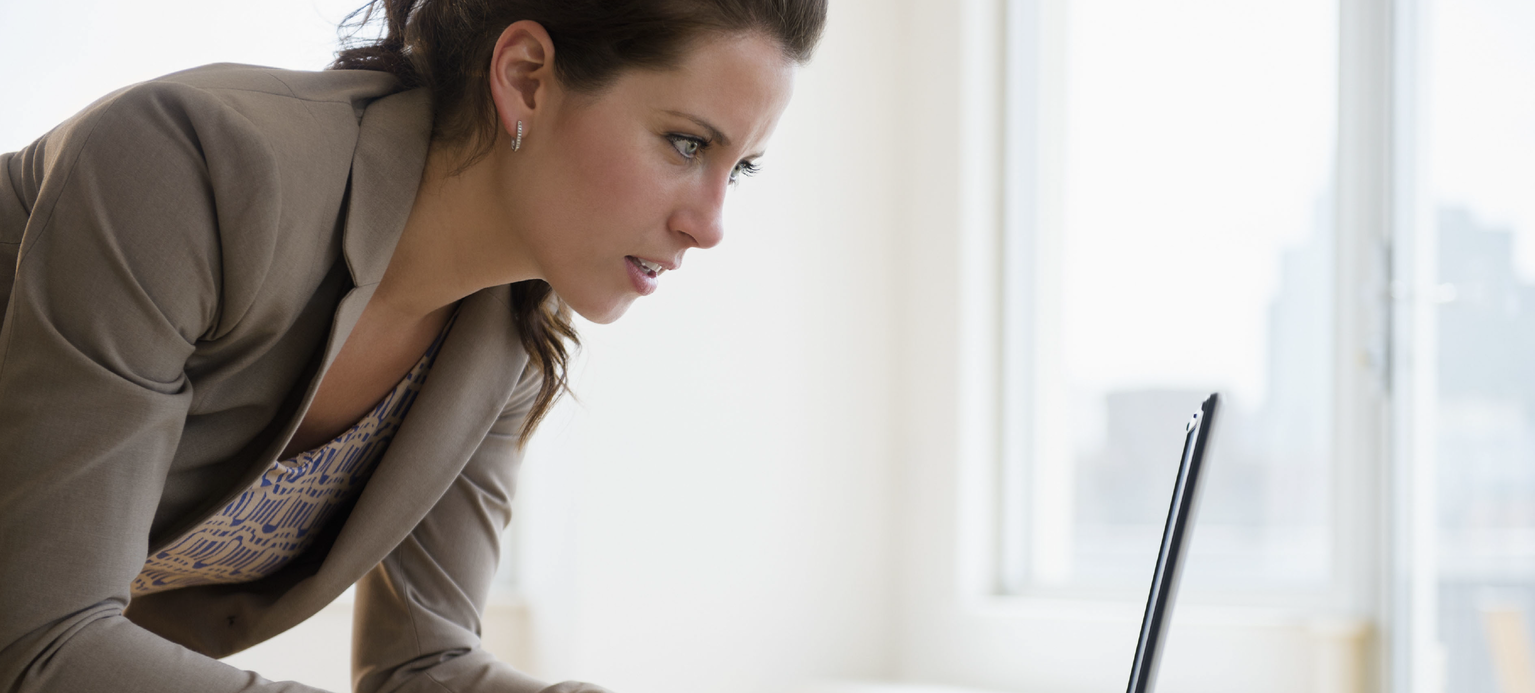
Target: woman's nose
column 703, row 221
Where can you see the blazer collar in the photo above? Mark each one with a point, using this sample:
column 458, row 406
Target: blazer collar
column 469, row 385
column 392, row 141
column 391, row 152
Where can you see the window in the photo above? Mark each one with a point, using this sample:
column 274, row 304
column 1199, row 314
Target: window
column 1350, row 184
column 1480, row 183
column 1170, row 233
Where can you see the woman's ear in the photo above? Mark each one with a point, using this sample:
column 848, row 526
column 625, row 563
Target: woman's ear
column 522, row 74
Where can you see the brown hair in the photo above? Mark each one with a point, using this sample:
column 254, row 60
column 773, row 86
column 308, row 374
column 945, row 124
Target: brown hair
column 446, row 46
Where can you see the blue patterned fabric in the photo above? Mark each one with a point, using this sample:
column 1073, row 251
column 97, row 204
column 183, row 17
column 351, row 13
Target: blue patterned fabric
column 279, row 516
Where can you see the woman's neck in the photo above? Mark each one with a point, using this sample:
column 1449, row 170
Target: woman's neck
column 457, row 239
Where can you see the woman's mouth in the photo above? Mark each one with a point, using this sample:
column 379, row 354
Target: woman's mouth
column 642, row 274
column 650, row 268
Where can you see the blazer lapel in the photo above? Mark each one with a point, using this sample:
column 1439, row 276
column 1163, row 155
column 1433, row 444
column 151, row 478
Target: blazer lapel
column 469, row 384
column 392, row 143
column 474, row 374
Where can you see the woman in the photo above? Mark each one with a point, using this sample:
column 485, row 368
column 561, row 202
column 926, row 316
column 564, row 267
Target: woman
column 268, row 334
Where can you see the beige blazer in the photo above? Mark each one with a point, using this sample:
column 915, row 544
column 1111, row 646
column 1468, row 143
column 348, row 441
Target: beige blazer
column 179, row 264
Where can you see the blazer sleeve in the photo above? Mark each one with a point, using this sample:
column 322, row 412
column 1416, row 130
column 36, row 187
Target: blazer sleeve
column 416, row 623
column 117, row 275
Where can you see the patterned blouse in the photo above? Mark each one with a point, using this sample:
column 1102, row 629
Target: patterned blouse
column 279, row 515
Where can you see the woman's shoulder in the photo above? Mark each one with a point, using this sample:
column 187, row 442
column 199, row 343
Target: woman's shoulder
column 241, row 169
column 239, row 84
column 248, row 117
column 308, row 110
column 226, row 102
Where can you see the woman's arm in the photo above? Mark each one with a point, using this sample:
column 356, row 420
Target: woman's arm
column 119, row 273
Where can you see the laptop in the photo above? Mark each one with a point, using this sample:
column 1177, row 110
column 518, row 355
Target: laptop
column 1175, row 541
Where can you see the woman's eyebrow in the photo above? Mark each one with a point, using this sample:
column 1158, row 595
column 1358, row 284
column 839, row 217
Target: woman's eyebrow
column 714, row 132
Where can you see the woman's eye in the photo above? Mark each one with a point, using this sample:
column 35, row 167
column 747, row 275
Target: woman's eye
column 688, row 147
column 745, row 168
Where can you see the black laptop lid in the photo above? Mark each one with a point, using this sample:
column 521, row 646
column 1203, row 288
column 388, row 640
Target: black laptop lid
column 1175, row 540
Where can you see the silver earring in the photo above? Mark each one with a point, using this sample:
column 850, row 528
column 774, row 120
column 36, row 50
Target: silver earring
column 517, row 145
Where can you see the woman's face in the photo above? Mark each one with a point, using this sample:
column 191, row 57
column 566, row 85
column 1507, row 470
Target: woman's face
column 613, row 188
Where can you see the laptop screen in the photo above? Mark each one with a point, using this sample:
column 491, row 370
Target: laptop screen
column 1175, row 539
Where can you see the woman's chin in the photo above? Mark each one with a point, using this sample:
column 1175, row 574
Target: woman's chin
column 604, row 312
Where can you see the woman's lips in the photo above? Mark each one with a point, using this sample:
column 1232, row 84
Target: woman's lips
column 644, row 280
